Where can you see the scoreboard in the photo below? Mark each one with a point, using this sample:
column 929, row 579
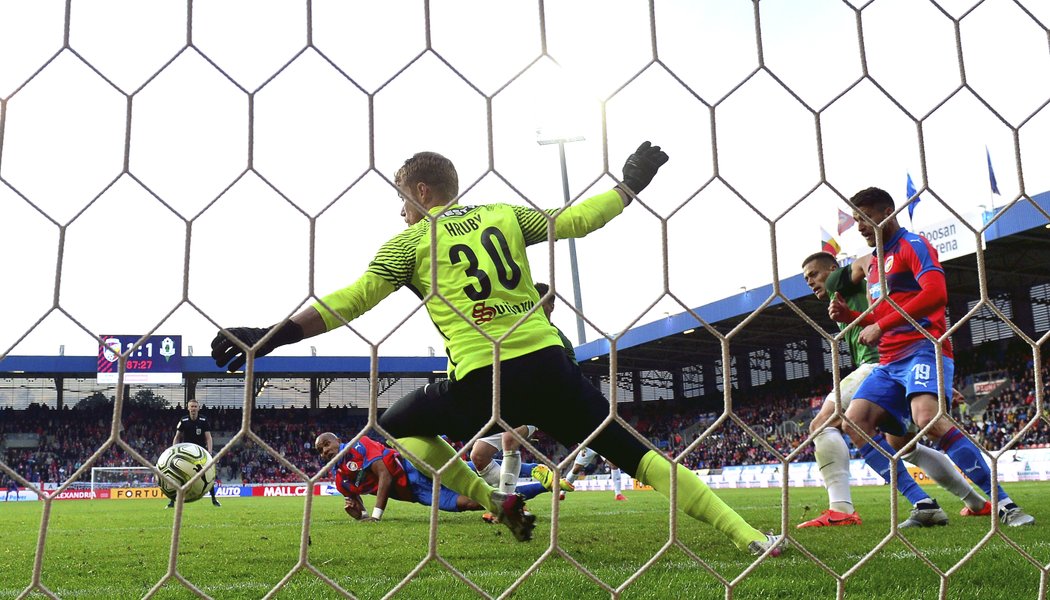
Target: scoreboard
column 158, row 359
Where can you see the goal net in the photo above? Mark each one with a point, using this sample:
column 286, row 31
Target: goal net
column 283, row 138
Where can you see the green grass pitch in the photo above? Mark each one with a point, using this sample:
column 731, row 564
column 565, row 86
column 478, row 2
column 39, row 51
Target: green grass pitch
column 111, row 549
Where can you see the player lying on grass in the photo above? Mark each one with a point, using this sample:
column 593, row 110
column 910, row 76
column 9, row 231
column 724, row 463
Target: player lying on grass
column 372, row 468
column 823, row 275
column 469, row 266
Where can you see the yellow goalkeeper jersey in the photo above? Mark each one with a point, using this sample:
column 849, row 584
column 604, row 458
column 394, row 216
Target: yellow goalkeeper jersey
column 479, row 274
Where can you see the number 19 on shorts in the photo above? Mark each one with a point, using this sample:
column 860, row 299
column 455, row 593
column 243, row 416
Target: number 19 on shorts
column 922, row 374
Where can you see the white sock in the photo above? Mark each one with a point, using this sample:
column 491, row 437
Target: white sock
column 508, row 476
column 832, row 456
column 616, row 481
column 572, row 476
column 490, row 474
column 941, row 469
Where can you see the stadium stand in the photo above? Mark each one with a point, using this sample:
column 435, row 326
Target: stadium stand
column 45, row 444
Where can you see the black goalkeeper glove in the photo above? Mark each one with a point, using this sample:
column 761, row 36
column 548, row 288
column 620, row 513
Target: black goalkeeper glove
column 227, row 354
column 642, row 166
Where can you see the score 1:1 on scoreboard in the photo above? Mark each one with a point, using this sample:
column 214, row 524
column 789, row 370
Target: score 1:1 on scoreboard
column 158, row 359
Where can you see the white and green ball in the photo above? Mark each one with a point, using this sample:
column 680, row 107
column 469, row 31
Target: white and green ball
column 179, row 464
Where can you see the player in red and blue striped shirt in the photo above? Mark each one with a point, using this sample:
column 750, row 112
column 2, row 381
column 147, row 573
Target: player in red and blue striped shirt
column 370, row 468
column 904, row 386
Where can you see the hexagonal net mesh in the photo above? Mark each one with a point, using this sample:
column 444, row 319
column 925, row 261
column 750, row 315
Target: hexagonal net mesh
column 310, row 109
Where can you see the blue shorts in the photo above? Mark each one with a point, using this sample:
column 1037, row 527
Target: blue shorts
column 423, row 487
column 891, row 385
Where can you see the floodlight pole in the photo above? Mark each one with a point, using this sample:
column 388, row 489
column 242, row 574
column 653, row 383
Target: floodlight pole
column 543, row 138
column 577, row 294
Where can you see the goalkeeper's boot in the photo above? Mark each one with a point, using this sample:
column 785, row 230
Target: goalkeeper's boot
column 776, row 542
column 510, row 510
column 832, row 518
column 925, row 515
column 984, row 512
column 1015, row 517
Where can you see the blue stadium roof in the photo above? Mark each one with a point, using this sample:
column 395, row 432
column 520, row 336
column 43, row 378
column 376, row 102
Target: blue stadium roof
column 268, row 365
column 1021, row 217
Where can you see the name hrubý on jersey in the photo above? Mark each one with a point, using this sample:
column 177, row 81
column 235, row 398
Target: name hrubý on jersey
column 463, row 227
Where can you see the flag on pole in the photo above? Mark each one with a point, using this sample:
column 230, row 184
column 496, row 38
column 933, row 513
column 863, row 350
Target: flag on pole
column 845, row 221
column 828, row 243
column 911, row 192
column 991, row 173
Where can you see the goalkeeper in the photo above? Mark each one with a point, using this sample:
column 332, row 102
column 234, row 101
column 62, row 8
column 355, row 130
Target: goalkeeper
column 477, row 285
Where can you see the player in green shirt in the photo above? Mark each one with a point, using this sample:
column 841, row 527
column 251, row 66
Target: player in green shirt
column 828, row 282
column 586, row 456
column 469, row 265
column 510, row 467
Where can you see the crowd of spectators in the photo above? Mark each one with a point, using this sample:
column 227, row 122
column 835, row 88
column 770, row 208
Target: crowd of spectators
column 778, row 417
column 1013, row 407
column 68, row 438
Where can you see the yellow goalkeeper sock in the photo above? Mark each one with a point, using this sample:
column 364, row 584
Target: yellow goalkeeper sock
column 459, row 477
column 697, row 500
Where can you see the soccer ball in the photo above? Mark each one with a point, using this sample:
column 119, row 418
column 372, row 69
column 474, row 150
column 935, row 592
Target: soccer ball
column 178, row 464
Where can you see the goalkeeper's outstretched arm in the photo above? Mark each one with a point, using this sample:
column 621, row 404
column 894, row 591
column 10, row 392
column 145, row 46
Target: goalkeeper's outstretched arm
column 393, row 265
column 227, row 354
column 593, row 213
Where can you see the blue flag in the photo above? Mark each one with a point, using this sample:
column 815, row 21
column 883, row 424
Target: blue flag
column 911, row 192
column 991, row 173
